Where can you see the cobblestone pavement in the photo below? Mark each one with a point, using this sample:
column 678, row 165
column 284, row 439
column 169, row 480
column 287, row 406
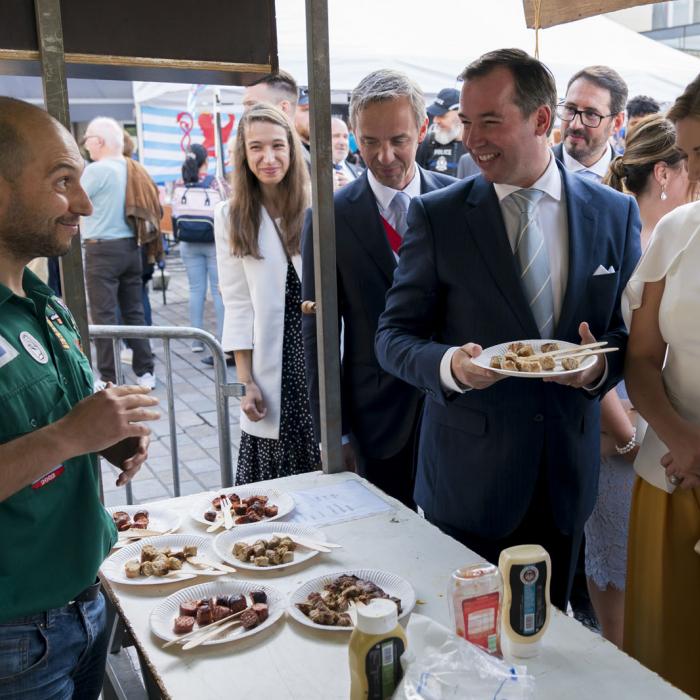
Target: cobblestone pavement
column 195, row 407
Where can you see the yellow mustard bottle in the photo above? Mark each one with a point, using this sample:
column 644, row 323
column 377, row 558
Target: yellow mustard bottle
column 526, row 571
column 376, row 645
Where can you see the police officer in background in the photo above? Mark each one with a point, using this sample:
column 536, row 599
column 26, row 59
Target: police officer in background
column 443, row 147
column 56, row 533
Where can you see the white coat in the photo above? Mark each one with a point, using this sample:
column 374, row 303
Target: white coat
column 253, row 295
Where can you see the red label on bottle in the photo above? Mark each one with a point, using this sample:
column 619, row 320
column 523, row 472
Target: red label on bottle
column 480, row 621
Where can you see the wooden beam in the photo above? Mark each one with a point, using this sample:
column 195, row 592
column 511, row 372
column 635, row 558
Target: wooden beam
column 53, row 75
column 552, row 12
column 323, row 213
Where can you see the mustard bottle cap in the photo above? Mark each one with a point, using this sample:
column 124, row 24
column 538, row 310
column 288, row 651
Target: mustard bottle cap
column 380, row 616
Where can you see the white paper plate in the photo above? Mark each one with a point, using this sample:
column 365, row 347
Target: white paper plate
column 485, row 358
column 164, row 614
column 283, row 501
column 113, row 566
column 223, row 544
column 391, row 584
column 159, row 519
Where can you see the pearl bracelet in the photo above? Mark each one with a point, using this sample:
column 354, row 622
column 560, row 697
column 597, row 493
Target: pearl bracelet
column 629, row 446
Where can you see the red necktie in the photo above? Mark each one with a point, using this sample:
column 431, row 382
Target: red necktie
column 392, row 235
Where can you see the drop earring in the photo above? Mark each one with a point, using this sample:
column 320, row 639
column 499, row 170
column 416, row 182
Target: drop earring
column 663, row 196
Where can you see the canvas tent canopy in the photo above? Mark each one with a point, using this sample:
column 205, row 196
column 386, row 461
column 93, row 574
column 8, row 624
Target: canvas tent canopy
column 423, row 49
column 434, row 43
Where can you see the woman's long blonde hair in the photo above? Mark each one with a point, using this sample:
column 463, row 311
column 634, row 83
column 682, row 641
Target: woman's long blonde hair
column 652, row 140
column 246, row 196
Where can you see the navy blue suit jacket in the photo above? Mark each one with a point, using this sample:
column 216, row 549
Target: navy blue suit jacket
column 481, row 451
column 377, row 408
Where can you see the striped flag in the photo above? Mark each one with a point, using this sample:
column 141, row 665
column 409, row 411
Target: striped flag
column 167, row 132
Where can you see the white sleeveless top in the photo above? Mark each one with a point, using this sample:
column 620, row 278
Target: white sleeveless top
column 674, row 254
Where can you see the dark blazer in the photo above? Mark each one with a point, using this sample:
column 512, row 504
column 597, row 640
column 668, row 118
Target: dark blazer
column 481, row 451
column 377, row 408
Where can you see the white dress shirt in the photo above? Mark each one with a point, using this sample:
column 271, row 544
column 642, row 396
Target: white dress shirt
column 383, row 195
column 551, row 212
column 599, row 168
column 345, row 169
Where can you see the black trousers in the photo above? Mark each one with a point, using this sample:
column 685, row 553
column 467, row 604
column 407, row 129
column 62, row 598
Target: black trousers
column 113, row 277
column 395, row 475
column 537, row 527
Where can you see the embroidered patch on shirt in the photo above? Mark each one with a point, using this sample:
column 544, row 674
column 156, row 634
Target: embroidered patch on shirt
column 58, row 334
column 48, row 477
column 7, row 352
column 33, row 347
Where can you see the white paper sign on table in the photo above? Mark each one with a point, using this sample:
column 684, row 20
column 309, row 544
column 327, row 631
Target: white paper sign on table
column 328, row 505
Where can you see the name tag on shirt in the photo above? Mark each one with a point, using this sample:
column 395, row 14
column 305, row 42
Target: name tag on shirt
column 7, row 352
column 48, row 477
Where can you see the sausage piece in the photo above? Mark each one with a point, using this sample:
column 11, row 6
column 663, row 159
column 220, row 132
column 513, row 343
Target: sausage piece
column 183, row 624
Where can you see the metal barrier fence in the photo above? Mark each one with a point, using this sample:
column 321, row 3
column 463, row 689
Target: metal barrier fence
column 224, row 389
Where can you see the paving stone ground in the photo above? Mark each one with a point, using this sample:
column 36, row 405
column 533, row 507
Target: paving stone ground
column 195, row 407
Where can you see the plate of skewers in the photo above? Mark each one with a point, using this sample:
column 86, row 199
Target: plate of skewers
column 539, row 358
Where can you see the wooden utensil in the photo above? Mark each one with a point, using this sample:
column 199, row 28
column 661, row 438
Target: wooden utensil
column 304, row 542
column 226, row 510
column 208, row 634
column 136, row 534
column 566, row 351
column 216, row 525
column 194, row 633
column 208, row 564
column 590, row 353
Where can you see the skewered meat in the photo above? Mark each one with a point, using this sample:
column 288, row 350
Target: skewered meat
column 204, row 615
column 132, row 569
column 183, row 624
column 258, row 596
column 249, row 619
column 188, row 608
column 570, row 362
column 238, row 603
column 329, row 606
column 261, row 610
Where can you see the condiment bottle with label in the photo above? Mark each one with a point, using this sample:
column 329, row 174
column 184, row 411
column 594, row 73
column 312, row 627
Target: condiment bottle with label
column 526, row 571
column 475, row 595
column 376, row 645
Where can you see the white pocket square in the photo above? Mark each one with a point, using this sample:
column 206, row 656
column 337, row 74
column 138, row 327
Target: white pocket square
column 600, row 270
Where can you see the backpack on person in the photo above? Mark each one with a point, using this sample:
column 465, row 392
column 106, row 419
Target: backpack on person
column 193, row 211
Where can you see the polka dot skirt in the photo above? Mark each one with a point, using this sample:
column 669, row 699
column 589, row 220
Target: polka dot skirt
column 296, row 450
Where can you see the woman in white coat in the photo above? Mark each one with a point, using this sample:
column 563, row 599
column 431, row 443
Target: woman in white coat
column 258, row 238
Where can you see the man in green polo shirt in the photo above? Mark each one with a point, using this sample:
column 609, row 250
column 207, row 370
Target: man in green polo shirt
column 55, row 532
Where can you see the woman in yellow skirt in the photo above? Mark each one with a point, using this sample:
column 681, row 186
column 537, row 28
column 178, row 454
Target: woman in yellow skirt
column 661, row 306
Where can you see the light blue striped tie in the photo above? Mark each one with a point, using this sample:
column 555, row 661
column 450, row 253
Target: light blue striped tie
column 531, row 252
column 399, row 206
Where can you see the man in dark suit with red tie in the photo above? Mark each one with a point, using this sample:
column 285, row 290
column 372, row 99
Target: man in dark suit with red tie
column 380, row 413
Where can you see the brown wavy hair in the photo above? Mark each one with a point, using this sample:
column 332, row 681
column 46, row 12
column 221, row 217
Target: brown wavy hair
column 651, row 141
column 246, row 201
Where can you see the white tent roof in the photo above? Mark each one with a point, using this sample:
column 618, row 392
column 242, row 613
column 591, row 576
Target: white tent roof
column 434, row 48
column 433, row 43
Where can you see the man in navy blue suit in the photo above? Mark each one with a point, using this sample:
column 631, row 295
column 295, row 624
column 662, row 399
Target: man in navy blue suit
column 380, row 413
column 524, row 250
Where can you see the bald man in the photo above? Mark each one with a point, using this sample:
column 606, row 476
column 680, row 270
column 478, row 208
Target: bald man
column 53, row 634
column 343, row 172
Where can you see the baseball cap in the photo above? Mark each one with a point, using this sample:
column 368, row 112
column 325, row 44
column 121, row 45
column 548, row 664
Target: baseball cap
column 447, row 99
column 304, row 96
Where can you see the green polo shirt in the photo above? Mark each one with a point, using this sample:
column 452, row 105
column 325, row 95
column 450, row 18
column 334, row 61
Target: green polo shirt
column 55, row 532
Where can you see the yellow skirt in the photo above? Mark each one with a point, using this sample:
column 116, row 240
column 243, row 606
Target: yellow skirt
column 662, row 597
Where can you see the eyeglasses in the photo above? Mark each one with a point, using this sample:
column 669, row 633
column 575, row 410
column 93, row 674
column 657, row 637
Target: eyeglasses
column 588, row 117
column 89, row 136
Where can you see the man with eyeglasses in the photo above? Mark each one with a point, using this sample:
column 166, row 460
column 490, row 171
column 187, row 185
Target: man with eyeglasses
column 592, row 111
